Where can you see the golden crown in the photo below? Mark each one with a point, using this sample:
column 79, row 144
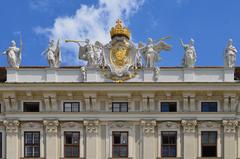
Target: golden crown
column 120, row 30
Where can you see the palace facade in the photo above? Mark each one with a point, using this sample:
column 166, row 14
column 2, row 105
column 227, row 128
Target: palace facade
column 121, row 108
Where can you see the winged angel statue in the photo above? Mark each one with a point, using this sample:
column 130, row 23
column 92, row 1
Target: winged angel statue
column 53, row 54
column 151, row 51
column 92, row 53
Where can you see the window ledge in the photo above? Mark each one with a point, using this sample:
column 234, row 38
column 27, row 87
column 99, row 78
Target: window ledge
column 32, row 157
column 209, row 158
column 169, row 158
column 71, row 158
column 120, row 158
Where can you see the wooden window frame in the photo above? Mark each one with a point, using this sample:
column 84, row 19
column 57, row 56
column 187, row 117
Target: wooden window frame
column 169, row 145
column 24, row 110
column 120, row 106
column 209, row 145
column 64, row 109
column 209, row 102
column 168, row 102
column 71, row 145
column 120, row 145
column 32, row 145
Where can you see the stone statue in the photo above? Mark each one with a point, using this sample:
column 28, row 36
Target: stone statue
column 189, row 58
column 151, row 51
column 138, row 58
column 14, row 54
column 230, row 55
column 53, row 54
column 92, row 53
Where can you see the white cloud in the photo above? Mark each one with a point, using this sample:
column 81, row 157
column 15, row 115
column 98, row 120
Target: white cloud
column 93, row 22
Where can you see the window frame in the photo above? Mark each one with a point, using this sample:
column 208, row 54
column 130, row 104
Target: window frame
column 120, row 107
column 168, row 102
column 26, row 101
column 120, row 145
column 71, row 102
column 169, row 145
column 201, row 106
column 32, row 145
column 219, row 106
column 71, row 145
column 209, row 145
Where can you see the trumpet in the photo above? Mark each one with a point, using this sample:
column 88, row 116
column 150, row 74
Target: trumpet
column 73, row 41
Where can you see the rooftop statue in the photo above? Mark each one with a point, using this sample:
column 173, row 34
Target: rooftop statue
column 230, row 55
column 53, row 54
column 190, row 56
column 14, row 54
column 151, row 51
column 92, row 53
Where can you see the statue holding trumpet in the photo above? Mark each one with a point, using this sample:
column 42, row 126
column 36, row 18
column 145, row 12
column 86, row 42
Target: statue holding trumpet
column 92, row 53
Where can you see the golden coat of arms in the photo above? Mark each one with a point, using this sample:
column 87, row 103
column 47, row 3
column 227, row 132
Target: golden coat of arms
column 119, row 54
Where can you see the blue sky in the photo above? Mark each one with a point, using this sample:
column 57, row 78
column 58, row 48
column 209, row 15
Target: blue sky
column 209, row 22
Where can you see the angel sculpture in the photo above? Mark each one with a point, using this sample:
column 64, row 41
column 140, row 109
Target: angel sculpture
column 92, row 53
column 14, row 54
column 151, row 51
column 53, row 54
column 190, row 56
column 230, row 54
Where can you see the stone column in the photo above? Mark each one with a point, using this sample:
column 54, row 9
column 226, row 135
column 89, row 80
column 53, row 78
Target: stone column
column 51, row 131
column 230, row 145
column 189, row 139
column 92, row 137
column 12, row 138
column 148, row 137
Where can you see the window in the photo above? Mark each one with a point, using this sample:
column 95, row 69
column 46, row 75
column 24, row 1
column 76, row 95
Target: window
column 169, row 143
column 209, row 143
column 168, row 106
column 71, row 107
column 31, row 144
column 120, row 144
column 209, row 106
column 120, row 107
column 31, row 106
column 71, row 144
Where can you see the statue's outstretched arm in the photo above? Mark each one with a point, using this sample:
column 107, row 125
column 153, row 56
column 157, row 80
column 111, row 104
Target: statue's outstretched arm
column 5, row 52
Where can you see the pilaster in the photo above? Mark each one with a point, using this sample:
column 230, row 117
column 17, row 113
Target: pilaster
column 12, row 138
column 230, row 144
column 189, row 139
column 92, row 139
column 51, row 131
column 10, row 102
column 148, row 131
column 50, row 101
column 90, row 100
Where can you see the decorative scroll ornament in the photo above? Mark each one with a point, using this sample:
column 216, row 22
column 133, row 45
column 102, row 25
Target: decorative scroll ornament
column 230, row 126
column 189, row 125
column 148, row 126
column 120, row 55
column 91, row 126
column 11, row 126
column 51, row 126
